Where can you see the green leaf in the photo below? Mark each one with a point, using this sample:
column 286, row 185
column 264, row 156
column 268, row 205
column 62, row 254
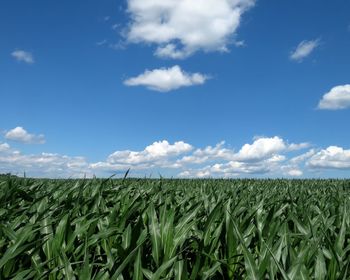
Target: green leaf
column 126, row 261
column 155, row 234
column 320, row 267
column 138, row 267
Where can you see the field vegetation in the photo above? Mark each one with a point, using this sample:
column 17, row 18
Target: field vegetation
column 174, row 229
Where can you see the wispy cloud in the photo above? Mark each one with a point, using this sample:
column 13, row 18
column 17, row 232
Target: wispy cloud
column 166, row 79
column 23, row 56
column 101, row 43
column 19, row 134
column 116, row 26
column 304, row 49
column 336, row 99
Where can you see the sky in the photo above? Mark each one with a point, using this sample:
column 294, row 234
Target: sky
column 175, row 88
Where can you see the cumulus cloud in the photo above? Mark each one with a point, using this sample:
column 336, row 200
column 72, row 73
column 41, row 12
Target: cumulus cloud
column 156, row 151
column 23, row 56
column 295, row 172
column 21, row 135
column 43, row 164
column 292, row 168
column 230, row 169
column 304, row 49
column 181, row 27
column 157, row 154
column 4, row 147
column 267, row 147
column 331, row 158
column 265, row 156
column 261, row 149
column 166, row 79
column 338, row 98
column 207, row 154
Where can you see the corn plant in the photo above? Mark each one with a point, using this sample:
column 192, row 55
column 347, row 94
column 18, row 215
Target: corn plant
column 174, row 229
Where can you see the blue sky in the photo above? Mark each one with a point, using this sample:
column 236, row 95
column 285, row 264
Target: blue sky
column 97, row 87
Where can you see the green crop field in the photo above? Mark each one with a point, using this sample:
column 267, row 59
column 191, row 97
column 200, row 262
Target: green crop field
column 174, row 229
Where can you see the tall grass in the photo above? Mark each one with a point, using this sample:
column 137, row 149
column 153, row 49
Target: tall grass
column 174, row 229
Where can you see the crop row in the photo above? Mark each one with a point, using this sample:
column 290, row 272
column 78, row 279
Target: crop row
column 174, row 229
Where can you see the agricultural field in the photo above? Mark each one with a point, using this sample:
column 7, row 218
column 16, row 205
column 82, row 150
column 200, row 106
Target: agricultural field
column 174, row 229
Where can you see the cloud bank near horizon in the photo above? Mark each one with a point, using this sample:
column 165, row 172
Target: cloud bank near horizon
column 264, row 156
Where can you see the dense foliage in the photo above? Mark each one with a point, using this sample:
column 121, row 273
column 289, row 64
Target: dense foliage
column 174, row 229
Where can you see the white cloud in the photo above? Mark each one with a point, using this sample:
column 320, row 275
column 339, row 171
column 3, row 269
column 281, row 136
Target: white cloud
column 295, row 173
column 154, row 152
column 303, row 157
column 181, row 27
column 331, row 158
column 4, row 147
column 163, row 148
column 264, row 156
column 158, row 154
column 236, row 167
column 230, row 169
column 267, row 157
column 217, row 152
column 23, row 56
column 338, row 98
column 276, row 158
column 170, row 51
column 207, row 154
column 166, row 79
column 299, row 146
column 262, row 148
column 43, row 164
column 304, row 49
column 21, row 135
